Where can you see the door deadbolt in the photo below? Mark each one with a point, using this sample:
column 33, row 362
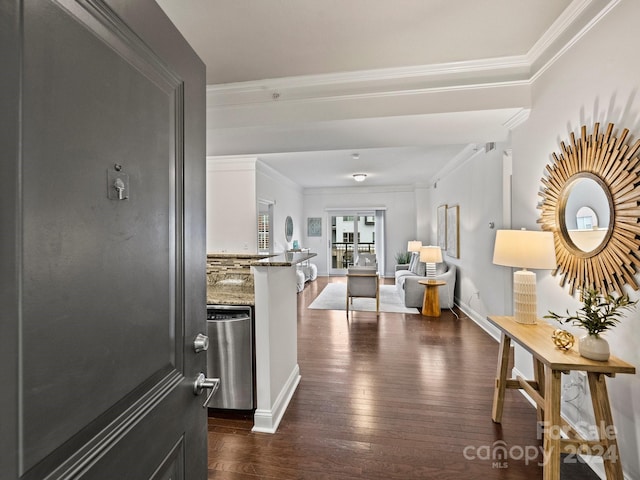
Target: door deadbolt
column 201, row 343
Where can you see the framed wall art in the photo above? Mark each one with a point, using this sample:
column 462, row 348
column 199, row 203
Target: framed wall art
column 314, row 227
column 453, row 231
column 442, row 226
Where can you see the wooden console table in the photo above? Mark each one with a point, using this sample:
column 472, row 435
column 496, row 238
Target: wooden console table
column 431, row 301
column 549, row 363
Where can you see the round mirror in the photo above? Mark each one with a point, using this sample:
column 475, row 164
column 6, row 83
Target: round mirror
column 588, row 208
column 288, row 229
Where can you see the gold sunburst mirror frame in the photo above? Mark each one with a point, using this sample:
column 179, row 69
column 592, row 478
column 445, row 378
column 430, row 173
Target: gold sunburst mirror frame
column 615, row 167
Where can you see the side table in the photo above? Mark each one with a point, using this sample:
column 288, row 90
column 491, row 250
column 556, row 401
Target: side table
column 431, row 301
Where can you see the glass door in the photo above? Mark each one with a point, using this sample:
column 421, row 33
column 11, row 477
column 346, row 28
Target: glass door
column 352, row 232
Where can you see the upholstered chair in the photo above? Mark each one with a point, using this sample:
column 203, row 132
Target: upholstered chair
column 363, row 282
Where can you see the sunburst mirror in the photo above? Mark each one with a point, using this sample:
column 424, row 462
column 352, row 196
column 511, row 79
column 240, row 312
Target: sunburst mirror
column 591, row 203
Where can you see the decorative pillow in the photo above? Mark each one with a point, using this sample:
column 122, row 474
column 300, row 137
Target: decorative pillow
column 421, row 269
column 441, row 268
column 413, row 263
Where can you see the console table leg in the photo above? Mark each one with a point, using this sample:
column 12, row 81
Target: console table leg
column 552, row 424
column 538, row 375
column 501, row 378
column 604, row 425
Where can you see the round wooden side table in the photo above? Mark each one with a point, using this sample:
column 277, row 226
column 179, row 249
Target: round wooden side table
column 431, row 302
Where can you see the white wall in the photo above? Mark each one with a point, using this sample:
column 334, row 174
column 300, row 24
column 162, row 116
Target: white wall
column 234, row 186
column 476, row 187
column 231, row 205
column 400, row 217
column 287, row 201
column 596, row 80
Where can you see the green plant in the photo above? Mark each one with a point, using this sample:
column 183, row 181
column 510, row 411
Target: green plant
column 598, row 313
column 403, row 257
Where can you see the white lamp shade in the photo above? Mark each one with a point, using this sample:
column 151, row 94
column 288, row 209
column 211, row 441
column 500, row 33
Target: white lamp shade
column 430, row 254
column 414, row 246
column 524, row 249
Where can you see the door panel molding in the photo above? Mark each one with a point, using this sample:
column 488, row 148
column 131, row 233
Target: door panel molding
column 92, row 450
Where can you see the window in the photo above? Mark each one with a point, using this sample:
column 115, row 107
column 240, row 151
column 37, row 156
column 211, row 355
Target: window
column 263, row 232
column 347, row 237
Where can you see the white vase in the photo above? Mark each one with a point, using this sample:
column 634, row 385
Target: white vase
column 594, row 347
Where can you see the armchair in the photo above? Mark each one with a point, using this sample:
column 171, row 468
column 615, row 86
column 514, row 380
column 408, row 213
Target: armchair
column 363, row 282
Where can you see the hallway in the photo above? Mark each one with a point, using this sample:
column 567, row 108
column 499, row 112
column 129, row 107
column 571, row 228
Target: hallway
column 398, row 397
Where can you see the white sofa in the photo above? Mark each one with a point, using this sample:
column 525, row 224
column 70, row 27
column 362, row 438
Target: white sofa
column 408, row 275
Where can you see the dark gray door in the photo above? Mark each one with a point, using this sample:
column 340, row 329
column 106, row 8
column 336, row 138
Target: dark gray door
column 101, row 296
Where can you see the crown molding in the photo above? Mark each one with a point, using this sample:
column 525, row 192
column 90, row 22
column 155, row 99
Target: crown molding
column 376, row 75
column 372, row 83
column 231, row 163
column 593, row 11
column 517, row 119
column 557, row 29
column 577, row 19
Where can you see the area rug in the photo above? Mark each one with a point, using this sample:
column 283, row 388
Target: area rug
column 334, row 297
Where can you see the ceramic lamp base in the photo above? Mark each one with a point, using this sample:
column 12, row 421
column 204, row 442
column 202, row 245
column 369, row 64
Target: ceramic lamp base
column 524, row 297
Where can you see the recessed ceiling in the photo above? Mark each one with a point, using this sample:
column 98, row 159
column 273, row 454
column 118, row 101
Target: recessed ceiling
column 250, row 47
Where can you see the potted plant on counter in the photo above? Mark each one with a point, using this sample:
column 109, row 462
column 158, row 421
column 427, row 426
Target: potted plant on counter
column 598, row 314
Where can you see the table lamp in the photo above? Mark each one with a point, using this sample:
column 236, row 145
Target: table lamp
column 524, row 249
column 414, row 245
column 431, row 255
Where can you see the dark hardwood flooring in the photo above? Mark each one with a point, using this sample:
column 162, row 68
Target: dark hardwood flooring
column 399, row 396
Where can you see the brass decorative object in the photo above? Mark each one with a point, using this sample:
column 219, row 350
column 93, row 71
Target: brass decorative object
column 563, row 339
column 615, row 166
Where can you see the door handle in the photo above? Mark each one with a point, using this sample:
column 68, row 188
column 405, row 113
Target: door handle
column 203, row 382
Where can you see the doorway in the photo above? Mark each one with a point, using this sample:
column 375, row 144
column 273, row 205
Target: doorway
column 354, row 232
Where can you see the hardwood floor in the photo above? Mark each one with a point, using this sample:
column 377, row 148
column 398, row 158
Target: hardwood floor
column 400, row 396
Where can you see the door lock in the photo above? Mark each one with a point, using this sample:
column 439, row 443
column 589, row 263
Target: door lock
column 201, row 343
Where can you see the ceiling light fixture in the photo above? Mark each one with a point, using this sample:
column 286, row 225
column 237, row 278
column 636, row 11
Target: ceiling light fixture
column 359, row 177
column 355, row 156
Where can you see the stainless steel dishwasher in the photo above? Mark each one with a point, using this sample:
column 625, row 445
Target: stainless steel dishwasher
column 230, row 356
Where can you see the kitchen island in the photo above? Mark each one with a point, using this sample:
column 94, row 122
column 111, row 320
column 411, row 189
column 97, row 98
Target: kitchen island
column 276, row 336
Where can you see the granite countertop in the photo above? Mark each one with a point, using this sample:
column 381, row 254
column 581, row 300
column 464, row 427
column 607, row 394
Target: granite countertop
column 217, row 297
column 286, row 259
column 230, row 289
column 243, row 255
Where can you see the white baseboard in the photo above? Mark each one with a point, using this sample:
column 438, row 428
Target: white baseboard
column 479, row 319
column 267, row 421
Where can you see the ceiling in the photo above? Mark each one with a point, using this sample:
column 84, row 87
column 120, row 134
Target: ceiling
column 407, row 84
